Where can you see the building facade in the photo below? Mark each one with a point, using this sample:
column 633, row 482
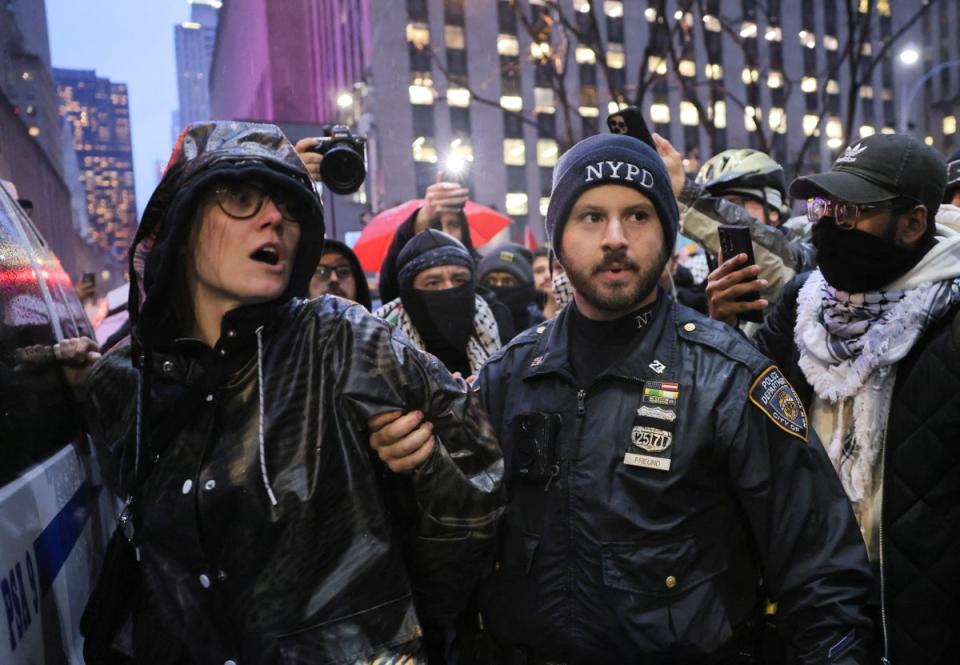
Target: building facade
column 194, row 42
column 509, row 86
column 98, row 112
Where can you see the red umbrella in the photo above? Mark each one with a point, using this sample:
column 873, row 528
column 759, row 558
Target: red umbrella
column 373, row 243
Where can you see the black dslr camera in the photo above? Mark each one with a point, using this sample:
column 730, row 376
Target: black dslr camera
column 344, row 159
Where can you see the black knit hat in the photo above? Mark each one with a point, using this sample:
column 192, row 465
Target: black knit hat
column 509, row 258
column 611, row 159
column 429, row 249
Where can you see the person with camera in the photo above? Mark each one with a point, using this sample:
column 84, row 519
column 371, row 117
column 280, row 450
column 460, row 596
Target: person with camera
column 259, row 525
column 662, row 481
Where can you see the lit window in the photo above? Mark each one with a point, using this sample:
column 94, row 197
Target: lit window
column 748, row 29
column 774, row 33
column 547, row 151
column 864, row 6
column 688, row 114
column 418, row 34
column 751, row 115
column 774, row 79
column 657, row 64
column 424, row 150
column 949, row 124
column 453, row 36
column 713, row 71
column 544, row 204
column 749, row 75
column 678, row 15
column 866, row 130
column 888, row 130
column 615, row 56
column 778, row 120
column 883, row 6
column 586, row 55
column 830, row 43
column 808, row 84
column 810, row 123
column 459, row 97
column 928, row 139
column 660, row 114
column 835, row 143
column 511, row 103
column 687, row 68
column 866, row 91
column 508, row 45
column 516, row 203
column 711, row 23
column 613, row 8
column 833, row 87
column 462, row 148
column 720, row 114
column 589, row 111
column 421, row 91
column 34, row 131
column 808, row 39
column 514, row 152
column 539, row 50
column 867, row 48
column 613, row 107
column 834, row 128
column 582, row 6
column 887, row 95
column 650, row 14
column 543, row 100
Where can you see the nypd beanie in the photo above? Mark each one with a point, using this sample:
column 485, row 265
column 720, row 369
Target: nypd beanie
column 611, row 159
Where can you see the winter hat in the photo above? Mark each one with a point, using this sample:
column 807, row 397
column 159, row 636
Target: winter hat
column 611, row 159
column 508, row 258
column 429, row 249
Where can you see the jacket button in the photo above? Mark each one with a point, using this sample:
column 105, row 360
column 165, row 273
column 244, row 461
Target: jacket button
column 231, row 333
column 167, row 367
column 205, row 581
column 222, row 575
column 210, row 484
column 689, row 327
column 223, row 352
column 187, row 486
column 671, row 581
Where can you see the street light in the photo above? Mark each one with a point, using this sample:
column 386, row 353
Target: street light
column 910, row 55
column 908, row 100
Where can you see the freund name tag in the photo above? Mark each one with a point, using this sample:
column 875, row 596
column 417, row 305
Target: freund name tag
column 647, row 461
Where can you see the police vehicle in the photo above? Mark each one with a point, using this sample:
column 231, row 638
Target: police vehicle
column 55, row 515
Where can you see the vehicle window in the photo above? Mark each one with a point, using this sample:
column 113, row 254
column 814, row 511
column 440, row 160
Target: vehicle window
column 36, row 414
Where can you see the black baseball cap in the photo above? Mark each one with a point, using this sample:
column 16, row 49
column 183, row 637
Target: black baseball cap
column 879, row 168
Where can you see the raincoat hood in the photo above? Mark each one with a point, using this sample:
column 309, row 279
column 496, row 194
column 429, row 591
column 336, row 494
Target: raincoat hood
column 206, row 152
column 359, row 277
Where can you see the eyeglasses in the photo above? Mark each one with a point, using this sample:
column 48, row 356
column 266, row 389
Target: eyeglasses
column 244, row 200
column 845, row 215
column 326, row 272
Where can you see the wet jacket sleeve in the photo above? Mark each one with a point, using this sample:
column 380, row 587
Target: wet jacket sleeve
column 447, row 510
column 813, row 558
column 389, row 285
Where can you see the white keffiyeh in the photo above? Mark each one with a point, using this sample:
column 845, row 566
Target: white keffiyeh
column 484, row 342
column 849, row 347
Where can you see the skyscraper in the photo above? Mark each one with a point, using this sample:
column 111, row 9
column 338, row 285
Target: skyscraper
column 98, row 111
column 194, row 42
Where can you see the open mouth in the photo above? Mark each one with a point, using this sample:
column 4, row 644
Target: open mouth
column 266, row 254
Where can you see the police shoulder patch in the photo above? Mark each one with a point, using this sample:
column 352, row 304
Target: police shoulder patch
column 774, row 395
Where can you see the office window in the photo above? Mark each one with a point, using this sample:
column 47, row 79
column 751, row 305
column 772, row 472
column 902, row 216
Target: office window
column 544, row 204
column 453, row 36
column 687, row 68
column 774, row 33
column 421, row 90
column 425, row 150
column 751, row 116
column 830, row 43
column 660, row 114
column 719, row 112
column 514, row 152
column 516, row 203
column 586, row 55
column 688, row 114
column 511, row 103
column 458, row 97
column 508, row 45
column 657, row 64
column 544, row 101
column 808, row 84
column 547, row 151
column 777, row 120
column 713, row 71
column 810, row 122
column 748, row 30
column 615, row 56
column 613, row 8
column 808, row 39
column 949, row 124
column 867, row 130
column 418, row 34
column 774, row 79
column 749, row 75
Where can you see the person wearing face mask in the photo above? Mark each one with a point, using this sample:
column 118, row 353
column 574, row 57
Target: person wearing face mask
column 507, row 272
column 439, row 308
column 870, row 339
column 259, row 526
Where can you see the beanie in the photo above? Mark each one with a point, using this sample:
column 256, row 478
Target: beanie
column 611, row 159
column 429, row 249
column 508, row 258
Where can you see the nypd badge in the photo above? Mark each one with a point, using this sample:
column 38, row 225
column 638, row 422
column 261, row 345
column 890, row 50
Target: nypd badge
column 651, row 439
column 774, row 395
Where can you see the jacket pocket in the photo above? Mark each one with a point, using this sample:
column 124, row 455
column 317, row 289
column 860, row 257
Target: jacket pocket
column 665, row 596
column 387, row 634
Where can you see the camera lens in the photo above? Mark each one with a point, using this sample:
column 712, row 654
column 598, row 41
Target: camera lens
column 343, row 169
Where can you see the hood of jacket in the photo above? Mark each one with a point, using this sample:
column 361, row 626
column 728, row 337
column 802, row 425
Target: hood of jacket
column 204, row 153
column 359, row 277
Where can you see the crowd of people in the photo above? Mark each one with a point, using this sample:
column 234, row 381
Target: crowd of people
column 601, row 451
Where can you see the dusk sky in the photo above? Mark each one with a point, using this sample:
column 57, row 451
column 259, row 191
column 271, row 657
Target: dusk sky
column 128, row 42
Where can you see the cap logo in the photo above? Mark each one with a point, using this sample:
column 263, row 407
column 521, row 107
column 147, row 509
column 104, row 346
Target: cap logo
column 607, row 170
column 506, row 256
column 850, row 154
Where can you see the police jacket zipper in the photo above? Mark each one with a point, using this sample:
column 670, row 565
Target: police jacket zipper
column 581, row 403
column 885, row 659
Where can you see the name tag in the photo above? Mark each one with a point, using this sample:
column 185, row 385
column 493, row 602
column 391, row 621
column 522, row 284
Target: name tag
column 647, row 462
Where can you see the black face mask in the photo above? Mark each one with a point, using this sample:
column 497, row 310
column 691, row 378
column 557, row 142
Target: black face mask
column 517, row 299
column 857, row 262
column 444, row 319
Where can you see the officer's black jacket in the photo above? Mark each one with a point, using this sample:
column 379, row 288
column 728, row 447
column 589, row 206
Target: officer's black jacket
column 604, row 562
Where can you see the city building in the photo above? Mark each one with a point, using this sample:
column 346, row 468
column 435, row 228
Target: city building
column 97, row 109
column 509, row 86
column 194, row 41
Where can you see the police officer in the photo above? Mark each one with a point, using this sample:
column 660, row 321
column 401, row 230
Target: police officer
column 662, row 478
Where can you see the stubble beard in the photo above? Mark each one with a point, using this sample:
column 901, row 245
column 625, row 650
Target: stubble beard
column 615, row 300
